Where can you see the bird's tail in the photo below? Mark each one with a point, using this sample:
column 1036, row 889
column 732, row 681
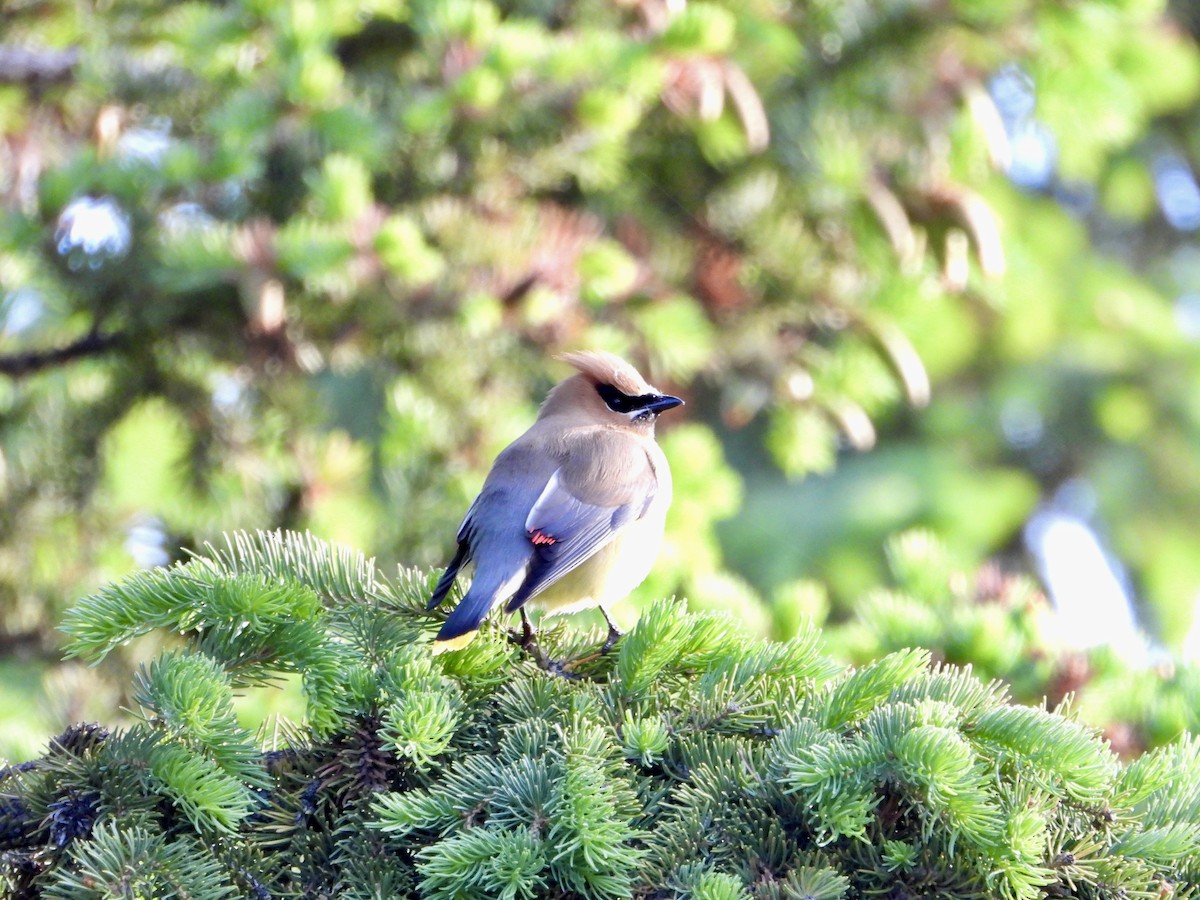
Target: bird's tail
column 447, row 580
column 465, row 619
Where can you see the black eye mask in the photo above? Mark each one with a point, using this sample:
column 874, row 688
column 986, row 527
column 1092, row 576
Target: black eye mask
column 623, row 403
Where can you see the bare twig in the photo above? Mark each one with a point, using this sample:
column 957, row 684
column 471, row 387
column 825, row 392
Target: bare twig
column 18, row 365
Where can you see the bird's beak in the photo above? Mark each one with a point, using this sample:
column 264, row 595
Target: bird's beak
column 663, row 403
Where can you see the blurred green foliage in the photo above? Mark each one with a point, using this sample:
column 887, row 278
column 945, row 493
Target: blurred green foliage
column 345, row 239
column 999, row 624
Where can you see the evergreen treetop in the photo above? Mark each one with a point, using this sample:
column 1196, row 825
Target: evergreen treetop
column 693, row 761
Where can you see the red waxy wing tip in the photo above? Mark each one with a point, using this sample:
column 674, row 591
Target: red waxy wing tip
column 540, row 538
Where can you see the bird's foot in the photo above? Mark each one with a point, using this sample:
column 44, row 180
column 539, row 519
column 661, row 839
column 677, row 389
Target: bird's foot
column 558, row 668
column 610, row 642
column 526, row 639
column 547, row 663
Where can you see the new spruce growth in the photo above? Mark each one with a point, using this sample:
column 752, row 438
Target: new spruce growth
column 692, row 761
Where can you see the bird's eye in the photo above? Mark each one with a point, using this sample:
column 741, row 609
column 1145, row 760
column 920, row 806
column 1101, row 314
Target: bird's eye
column 615, row 400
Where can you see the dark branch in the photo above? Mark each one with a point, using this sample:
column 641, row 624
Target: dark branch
column 36, row 65
column 20, row 364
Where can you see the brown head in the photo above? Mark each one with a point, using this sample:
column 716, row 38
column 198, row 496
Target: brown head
column 607, row 391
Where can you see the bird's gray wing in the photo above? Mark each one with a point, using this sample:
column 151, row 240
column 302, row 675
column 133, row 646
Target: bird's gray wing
column 601, row 487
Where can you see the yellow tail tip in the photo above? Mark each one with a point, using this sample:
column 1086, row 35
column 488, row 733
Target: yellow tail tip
column 456, row 643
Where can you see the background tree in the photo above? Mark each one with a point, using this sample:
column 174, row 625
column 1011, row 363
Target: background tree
column 304, row 264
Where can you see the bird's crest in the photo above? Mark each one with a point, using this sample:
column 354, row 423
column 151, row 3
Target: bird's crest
column 608, row 368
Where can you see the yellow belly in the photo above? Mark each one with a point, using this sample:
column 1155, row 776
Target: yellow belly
column 609, row 575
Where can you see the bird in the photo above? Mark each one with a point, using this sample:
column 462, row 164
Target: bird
column 572, row 513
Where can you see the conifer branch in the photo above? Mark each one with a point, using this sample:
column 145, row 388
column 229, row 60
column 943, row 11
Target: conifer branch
column 694, row 762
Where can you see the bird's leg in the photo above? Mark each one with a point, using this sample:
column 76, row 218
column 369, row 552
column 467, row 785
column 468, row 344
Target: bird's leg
column 527, row 641
column 526, row 638
column 528, row 635
column 614, row 633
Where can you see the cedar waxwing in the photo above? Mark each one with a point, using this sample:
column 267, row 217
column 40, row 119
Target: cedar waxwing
column 572, row 513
